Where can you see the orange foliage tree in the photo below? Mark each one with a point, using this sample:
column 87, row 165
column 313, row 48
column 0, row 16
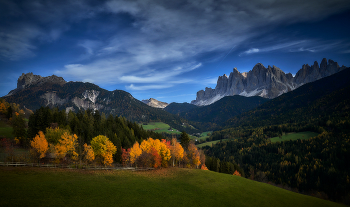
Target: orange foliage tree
column 135, row 152
column 89, row 154
column 159, row 146
column 193, row 155
column 125, row 156
column 237, row 173
column 39, row 145
column 203, row 167
column 66, row 147
column 157, row 160
column 103, row 149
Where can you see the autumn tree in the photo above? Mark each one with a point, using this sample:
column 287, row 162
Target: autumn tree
column 156, row 158
column 135, row 152
column 103, row 149
column 193, row 155
column 54, row 134
column 66, row 147
column 39, row 145
column 176, row 150
column 237, row 173
column 160, row 147
column 125, row 156
column 88, row 153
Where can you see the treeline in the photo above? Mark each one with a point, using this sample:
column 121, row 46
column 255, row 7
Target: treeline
column 92, row 137
column 319, row 164
column 215, row 164
column 86, row 125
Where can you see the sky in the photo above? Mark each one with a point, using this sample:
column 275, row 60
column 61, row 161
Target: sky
column 167, row 50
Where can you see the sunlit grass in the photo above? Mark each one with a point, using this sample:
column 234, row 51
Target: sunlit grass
column 294, row 136
column 166, row 187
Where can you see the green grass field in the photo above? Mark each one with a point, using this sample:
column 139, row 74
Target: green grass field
column 167, row 187
column 5, row 129
column 6, row 132
column 294, row 136
column 209, row 143
column 203, row 136
column 160, row 126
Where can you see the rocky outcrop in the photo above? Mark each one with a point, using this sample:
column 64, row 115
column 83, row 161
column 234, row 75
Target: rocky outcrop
column 26, row 80
column 267, row 82
column 155, row 103
column 51, row 99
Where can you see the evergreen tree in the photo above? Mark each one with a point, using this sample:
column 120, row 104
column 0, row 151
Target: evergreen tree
column 185, row 140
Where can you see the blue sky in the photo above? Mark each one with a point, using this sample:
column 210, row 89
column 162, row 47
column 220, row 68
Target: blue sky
column 166, row 50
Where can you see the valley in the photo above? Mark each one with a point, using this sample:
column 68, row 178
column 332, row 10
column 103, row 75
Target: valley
column 298, row 140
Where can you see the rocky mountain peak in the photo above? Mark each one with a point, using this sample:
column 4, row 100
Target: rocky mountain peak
column 155, row 103
column 267, row 82
column 28, row 79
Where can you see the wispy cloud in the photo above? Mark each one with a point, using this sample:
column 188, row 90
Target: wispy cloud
column 148, row 87
column 155, row 44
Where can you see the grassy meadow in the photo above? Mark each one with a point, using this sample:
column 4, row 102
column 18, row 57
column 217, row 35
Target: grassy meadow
column 209, row 143
column 5, row 129
column 165, row 187
column 294, row 136
column 159, row 127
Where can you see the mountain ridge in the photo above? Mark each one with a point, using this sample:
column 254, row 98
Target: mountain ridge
column 36, row 91
column 267, row 82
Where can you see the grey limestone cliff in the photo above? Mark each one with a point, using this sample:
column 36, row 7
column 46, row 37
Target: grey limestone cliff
column 267, row 82
column 155, row 103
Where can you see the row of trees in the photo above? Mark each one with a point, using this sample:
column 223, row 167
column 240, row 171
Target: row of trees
column 63, row 147
column 89, row 137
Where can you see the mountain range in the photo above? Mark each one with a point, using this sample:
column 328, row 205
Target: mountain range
column 34, row 91
column 269, row 82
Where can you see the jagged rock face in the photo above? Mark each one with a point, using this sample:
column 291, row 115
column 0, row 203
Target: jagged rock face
column 91, row 95
column 155, row 103
column 51, row 99
column 26, row 80
column 267, row 82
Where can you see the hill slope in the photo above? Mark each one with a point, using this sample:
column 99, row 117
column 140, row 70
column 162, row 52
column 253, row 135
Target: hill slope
column 220, row 111
column 166, row 187
column 322, row 98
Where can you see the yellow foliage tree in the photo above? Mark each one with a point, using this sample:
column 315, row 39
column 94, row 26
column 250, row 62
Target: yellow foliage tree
column 177, row 152
column 159, row 146
column 135, row 152
column 39, row 145
column 104, row 149
column 89, row 154
column 54, row 135
column 66, row 146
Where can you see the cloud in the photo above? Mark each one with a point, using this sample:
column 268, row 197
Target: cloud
column 152, row 44
column 295, row 46
column 147, row 87
column 30, row 24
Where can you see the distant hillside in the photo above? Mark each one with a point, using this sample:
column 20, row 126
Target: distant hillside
column 177, row 108
column 222, row 110
column 328, row 96
column 77, row 95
